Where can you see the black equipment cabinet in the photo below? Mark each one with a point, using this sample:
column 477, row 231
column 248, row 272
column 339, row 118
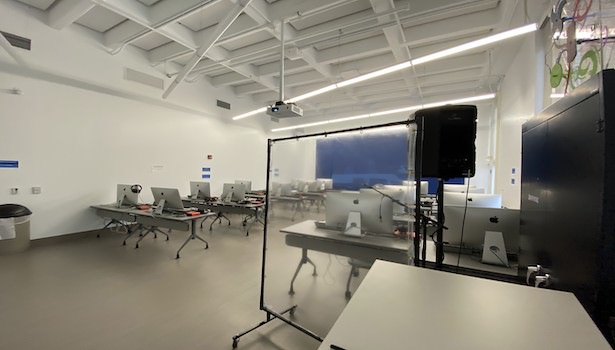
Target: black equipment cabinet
column 568, row 195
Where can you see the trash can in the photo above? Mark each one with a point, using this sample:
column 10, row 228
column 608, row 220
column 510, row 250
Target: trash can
column 14, row 228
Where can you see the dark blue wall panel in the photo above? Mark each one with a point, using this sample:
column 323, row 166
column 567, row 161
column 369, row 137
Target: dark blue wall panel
column 354, row 160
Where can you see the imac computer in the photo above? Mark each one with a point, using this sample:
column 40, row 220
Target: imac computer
column 299, row 185
column 477, row 222
column 233, row 192
column 424, row 185
column 376, row 211
column 287, row 190
column 275, row 189
column 313, row 186
column 325, row 184
column 199, row 190
column 246, row 183
column 400, row 193
column 126, row 197
column 167, row 199
column 462, row 188
column 478, row 200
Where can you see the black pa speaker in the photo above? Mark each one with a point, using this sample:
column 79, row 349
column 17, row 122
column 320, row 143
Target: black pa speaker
column 447, row 148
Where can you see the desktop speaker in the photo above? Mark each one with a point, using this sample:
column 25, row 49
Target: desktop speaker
column 448, row 149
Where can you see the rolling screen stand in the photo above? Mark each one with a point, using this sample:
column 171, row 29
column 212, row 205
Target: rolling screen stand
column 270, row 314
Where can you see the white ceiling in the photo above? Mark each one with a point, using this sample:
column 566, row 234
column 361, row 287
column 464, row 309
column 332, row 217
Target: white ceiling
column 326, row 41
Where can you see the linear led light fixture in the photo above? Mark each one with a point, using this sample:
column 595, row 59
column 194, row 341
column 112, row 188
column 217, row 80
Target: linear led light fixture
column 554, row 95
column 404, row 65
column 391, row 111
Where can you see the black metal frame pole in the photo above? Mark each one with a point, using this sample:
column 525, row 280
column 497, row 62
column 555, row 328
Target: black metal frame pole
column 262, row 297
column 440, row 243
column 418, row 166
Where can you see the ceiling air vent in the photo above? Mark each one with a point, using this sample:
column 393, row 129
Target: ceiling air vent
column 142, row 78
column 223, row 104
column 17, row 41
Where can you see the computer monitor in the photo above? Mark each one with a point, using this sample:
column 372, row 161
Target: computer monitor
column 401, row 193
column 275, row 189
column 376, row 211
column 246, row 183
column 325, row 184
column 462, row 188
column 171, row 197
column 286, row 190
column 313, row 186
column 477, row 221
column 199, row 190
column 126, row 197
column 480, row 200
column 233, row 192
column 412, row 183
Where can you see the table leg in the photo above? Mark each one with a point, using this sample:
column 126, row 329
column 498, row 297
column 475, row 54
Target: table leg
column 149, row 230
column 113, row 221
column 131, row 232
column 219, row 218
column 193, row 235
column 304, row 259
column 256, row 219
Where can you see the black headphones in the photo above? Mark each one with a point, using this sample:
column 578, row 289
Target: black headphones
column 136, row 188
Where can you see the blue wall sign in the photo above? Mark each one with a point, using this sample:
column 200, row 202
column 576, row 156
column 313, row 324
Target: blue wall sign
column 9, row 164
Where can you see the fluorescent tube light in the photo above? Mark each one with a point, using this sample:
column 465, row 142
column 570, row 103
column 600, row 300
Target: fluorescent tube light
column 476, row 43
column 557, row 95
column 245, row 115
column 400, row 66
column 391, row 111
column 375, row 74
column 313, row 93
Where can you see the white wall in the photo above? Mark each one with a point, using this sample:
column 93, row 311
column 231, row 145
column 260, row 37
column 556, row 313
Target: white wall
column 293, row 160
column 79, row 128
column 516, row 104
column 77, row 145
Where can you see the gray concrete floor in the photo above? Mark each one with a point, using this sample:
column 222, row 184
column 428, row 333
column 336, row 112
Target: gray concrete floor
column 94, row 293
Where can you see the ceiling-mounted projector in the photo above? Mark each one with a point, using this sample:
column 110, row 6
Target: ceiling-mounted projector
column 284, row 110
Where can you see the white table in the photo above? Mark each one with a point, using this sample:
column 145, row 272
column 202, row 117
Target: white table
column 406, row 307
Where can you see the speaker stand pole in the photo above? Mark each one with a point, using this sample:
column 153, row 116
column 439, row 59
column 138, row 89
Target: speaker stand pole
column 439, row 242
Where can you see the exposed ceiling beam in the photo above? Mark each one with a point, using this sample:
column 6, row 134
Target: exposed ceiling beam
column 395, row 37
column 221, row 27
column 65, row 12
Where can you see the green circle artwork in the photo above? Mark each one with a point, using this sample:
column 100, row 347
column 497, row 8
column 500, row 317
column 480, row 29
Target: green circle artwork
column 557, row 73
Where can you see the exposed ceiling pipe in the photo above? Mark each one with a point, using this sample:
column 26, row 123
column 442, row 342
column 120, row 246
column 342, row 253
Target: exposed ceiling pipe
column 208, row 44
column 282, row 61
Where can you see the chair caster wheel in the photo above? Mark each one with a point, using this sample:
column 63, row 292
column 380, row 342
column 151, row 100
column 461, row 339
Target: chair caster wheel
column 348, row 295
column 291, row 292
column 177, row 256
column 235, row 344
column 137, row 246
